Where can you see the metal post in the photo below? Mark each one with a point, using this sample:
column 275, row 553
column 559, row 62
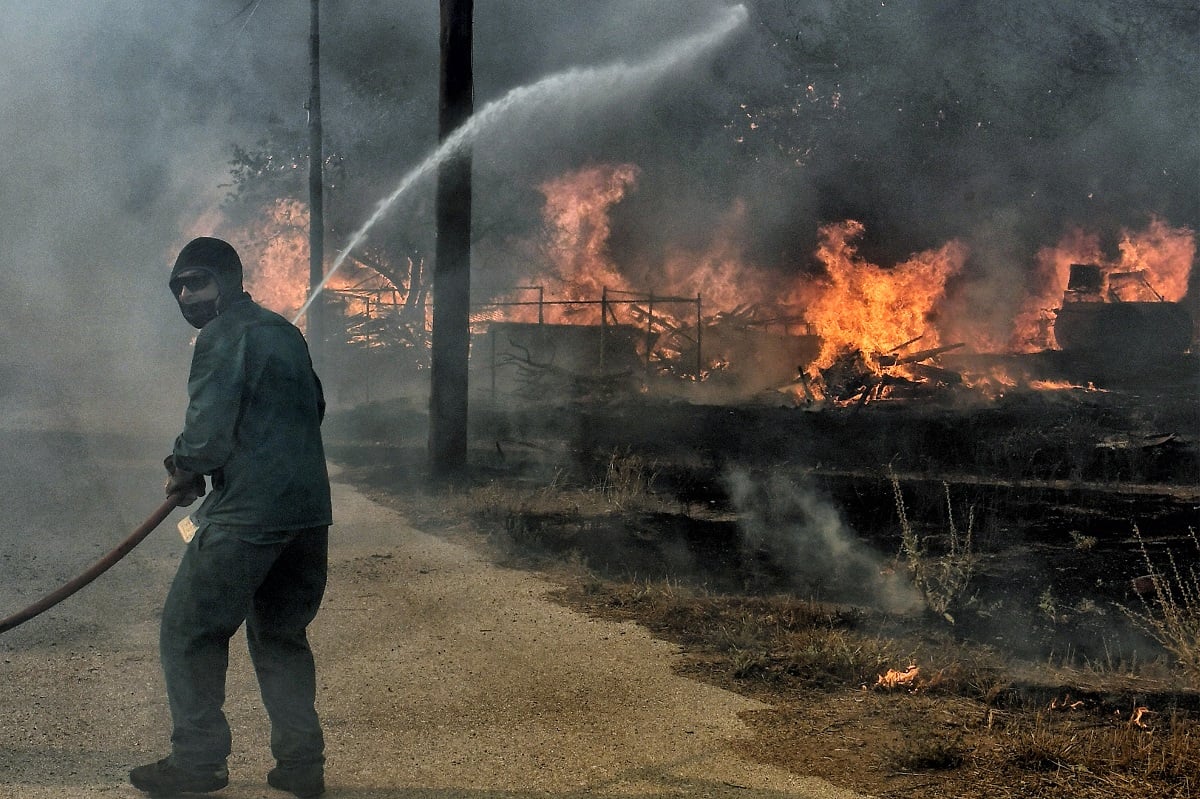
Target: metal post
column 603, row 323
column 649, row 331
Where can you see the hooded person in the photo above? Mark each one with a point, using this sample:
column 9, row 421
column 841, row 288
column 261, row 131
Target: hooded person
column 206, row 261
column 258, row 554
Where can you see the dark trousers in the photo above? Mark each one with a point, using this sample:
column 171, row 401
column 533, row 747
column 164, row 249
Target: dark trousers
column 275, row 588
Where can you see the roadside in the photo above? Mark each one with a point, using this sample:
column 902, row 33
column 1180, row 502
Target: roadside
column 974, row 721
column 442, row 675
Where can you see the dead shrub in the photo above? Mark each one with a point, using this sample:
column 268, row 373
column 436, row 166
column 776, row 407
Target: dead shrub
column 629, row 480
column 942, row 579
column 1172, row 613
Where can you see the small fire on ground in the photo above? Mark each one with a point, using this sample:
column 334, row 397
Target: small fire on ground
column 892, row 679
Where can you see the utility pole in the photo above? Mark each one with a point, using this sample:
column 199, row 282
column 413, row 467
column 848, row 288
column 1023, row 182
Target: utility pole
column 316, row 202
column 451, row 335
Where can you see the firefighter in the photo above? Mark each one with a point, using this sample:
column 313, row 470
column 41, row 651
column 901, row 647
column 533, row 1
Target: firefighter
column 259, row 550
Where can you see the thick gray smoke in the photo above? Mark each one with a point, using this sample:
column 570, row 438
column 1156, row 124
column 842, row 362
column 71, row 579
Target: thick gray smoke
column 128, row 122
column 1001, row 124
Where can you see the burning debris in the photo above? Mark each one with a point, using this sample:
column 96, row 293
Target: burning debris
column 893, row 679
column 1084, row 298
column 1119, row 315
column 864, row 377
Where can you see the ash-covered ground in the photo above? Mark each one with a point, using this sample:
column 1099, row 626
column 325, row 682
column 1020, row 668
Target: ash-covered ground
column 1064, row 497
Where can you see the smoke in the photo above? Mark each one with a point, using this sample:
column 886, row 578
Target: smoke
column 568, row 89
column 1003, row 125
column 113, row 136
column 803, row 534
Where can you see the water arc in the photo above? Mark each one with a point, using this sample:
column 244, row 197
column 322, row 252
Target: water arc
column 614, row 79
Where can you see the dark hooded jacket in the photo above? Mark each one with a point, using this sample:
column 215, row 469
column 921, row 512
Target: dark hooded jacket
column 254, row 413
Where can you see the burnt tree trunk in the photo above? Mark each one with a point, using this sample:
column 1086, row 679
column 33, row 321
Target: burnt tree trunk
column 452, row 260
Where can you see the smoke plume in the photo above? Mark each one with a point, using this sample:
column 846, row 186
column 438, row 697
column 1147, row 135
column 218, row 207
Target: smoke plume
column 803, row 534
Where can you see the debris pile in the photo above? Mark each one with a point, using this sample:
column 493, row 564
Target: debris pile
column 857, row 376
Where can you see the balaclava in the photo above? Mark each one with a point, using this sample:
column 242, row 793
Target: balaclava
column 220, row 260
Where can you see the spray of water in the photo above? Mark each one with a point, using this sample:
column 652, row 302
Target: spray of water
column 571, row 85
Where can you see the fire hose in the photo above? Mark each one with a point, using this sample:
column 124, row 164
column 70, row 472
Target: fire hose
column 97, row 568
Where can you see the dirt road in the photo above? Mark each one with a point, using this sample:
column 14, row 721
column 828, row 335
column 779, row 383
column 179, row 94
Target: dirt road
column 441, row 676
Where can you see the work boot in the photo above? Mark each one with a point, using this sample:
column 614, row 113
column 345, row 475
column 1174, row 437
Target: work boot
column 306, row 782
column 163, row 779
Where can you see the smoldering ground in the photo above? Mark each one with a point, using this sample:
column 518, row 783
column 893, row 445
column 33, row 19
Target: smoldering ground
column 804, row 536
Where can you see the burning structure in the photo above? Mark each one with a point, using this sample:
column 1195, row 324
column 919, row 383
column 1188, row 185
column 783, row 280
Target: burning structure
column 824, row 316
column 712, row 326
column 1119, row 315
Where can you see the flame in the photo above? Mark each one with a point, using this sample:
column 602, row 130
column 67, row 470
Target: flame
column 874, row 314
column 581, row 269
column 1065, row 704
column 1061, row 385
column 894, row 679
column 1161, row 254
column 856, row 307
column 576, row 215
column 719, row 274
column 861, row 306
column 274, row 248
column 278, row 274
column 993, row 381
column 1136, row 719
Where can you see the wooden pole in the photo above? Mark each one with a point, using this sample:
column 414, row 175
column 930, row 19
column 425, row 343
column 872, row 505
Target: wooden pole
column 451, row 334
column 316, row 204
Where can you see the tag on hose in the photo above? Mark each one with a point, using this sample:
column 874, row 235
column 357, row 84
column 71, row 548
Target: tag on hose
column 187, row 528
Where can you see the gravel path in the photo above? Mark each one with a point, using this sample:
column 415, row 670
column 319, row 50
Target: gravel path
column 441, row 676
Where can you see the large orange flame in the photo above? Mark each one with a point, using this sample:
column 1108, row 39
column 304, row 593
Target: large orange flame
column 861, row 306
column 853, row 307
column 576, row 214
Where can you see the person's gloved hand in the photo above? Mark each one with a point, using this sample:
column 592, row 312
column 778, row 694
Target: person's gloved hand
column 188, row 486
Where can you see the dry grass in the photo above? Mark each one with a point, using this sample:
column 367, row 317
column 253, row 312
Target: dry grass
column 959, row 729
column 629, row 480
column 942, row 579
column 1172, row 613
column 1128, row 753
column 948, row 721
